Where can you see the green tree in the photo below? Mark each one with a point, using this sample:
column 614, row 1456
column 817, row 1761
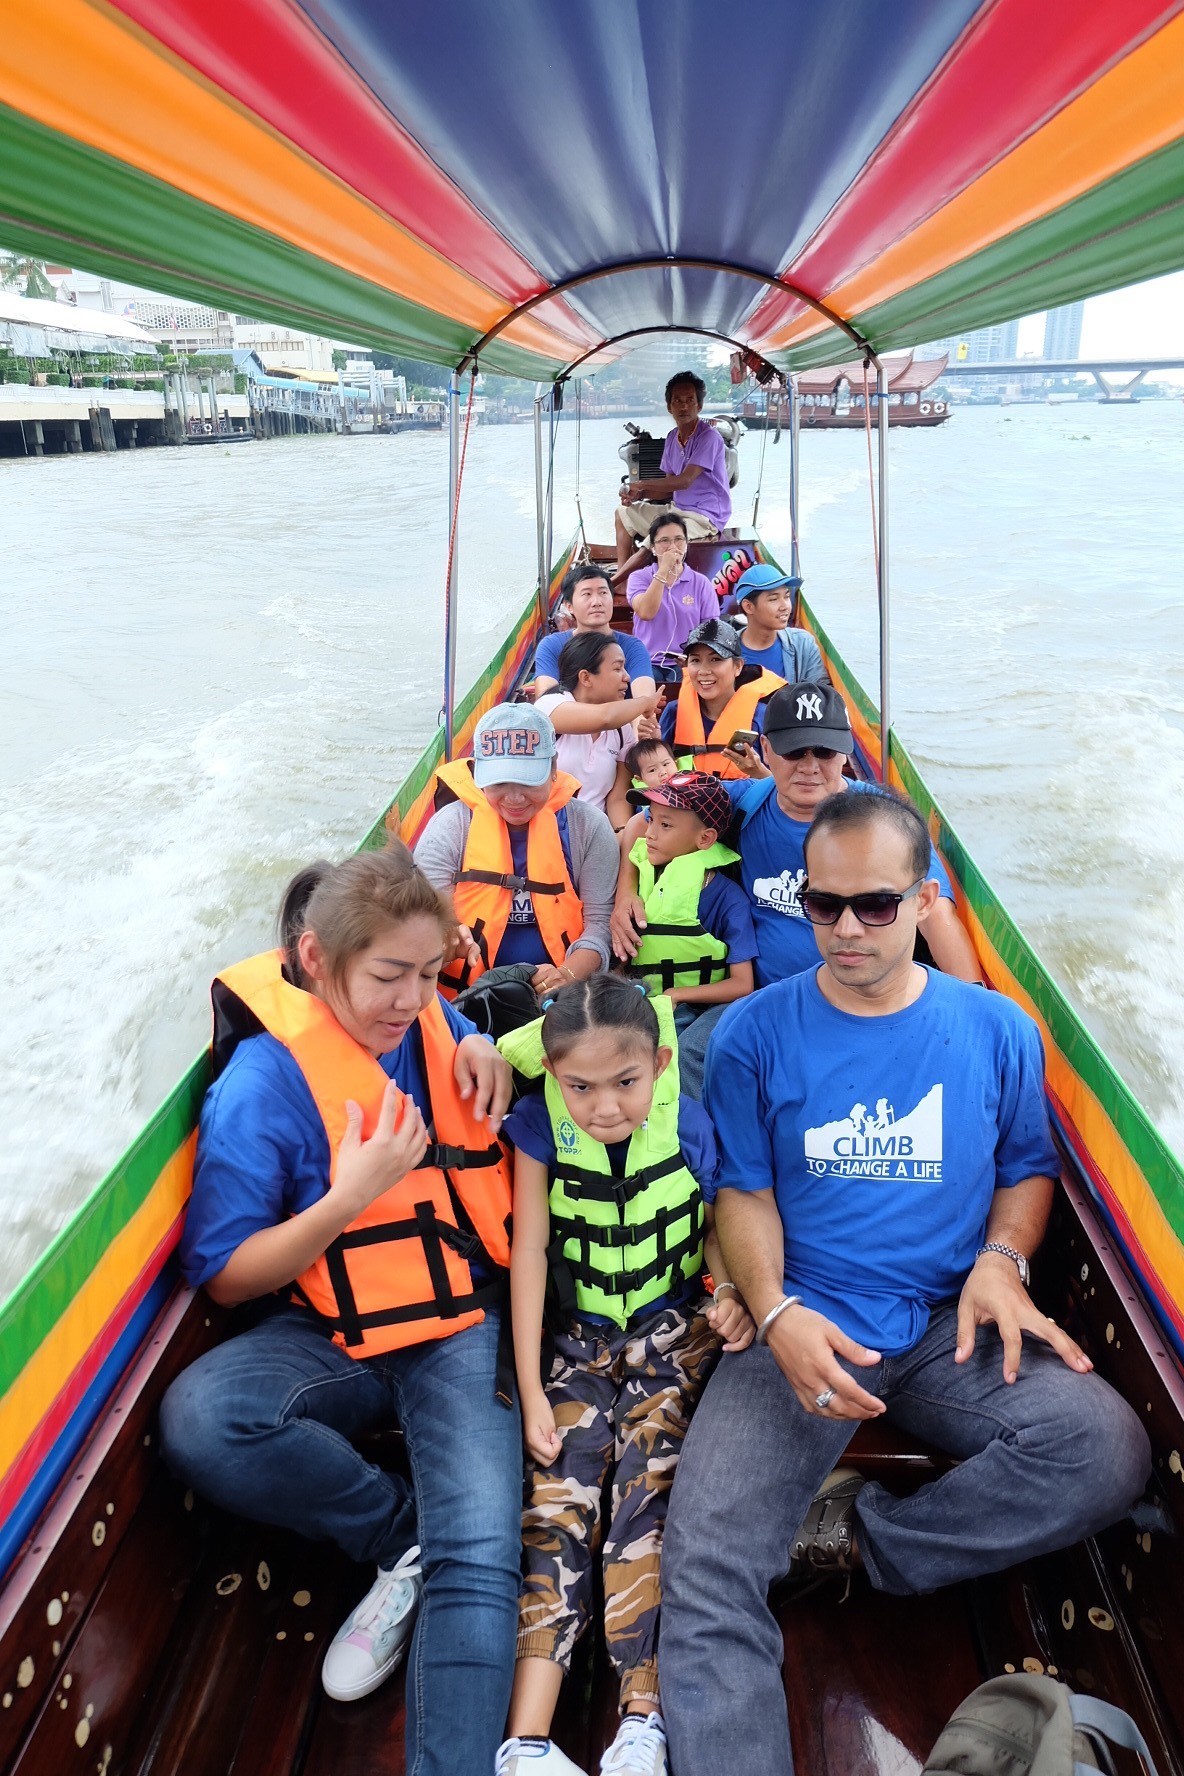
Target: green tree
column 28, row 275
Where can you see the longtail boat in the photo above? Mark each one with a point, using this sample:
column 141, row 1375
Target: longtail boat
column 524, row 189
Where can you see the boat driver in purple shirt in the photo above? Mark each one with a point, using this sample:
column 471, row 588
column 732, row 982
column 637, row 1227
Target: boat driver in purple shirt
column 693, row 481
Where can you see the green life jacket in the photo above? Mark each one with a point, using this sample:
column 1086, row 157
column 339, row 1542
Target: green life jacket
column 618, row 1243
column 675, row 950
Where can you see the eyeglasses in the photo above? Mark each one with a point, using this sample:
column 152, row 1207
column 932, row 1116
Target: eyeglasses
column 879, row 908
column 823, row 754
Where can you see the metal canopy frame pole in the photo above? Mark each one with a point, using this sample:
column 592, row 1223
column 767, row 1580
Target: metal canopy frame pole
column 795, row 561
column 453, row 528
column 882, row 575
column 540, row 505
column 549, row 546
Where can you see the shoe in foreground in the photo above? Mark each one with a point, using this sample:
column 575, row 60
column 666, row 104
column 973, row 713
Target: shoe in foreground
column 533, row 1757
column 370, row 1642
column 639, row 1748
column 826, row 1540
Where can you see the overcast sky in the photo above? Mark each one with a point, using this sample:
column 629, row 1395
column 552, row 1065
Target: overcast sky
column 1143, row 321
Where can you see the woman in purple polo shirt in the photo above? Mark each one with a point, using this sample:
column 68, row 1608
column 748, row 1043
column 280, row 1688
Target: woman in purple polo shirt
column 668, row 598
column 693, row 481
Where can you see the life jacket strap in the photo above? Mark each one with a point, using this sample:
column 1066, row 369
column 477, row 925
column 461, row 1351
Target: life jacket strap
column 581, row 1182
column 701, row 970
column 668, row 1258
column 459, row 1159
column 492, row 879
column 433, row 1234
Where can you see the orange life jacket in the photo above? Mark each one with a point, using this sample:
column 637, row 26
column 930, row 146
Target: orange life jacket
column 703, row 749
column 399, row 1274
column 485, row 887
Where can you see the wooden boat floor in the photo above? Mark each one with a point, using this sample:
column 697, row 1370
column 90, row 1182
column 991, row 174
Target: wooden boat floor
column 222, row 1629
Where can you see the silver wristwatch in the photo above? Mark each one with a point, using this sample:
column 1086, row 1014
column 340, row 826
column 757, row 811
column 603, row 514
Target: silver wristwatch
column 1021, row 1263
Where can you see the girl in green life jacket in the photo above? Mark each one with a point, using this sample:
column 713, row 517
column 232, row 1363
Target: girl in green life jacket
column 613, row 1184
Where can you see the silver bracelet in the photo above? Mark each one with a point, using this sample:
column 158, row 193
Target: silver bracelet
column 762, row 1331
column 731, row 1286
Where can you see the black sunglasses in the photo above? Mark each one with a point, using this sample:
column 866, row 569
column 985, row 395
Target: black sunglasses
column 878, row 908
column 822, row 753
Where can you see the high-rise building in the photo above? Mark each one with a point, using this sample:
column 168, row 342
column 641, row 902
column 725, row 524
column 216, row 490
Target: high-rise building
column 987, row 346
column 1062, row 331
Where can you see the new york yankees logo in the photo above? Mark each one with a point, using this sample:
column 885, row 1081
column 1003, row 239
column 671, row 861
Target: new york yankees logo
column 810, row 706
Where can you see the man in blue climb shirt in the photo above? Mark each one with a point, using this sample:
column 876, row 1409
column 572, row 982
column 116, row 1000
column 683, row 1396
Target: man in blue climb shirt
column 806, row 741
column 886, row 1172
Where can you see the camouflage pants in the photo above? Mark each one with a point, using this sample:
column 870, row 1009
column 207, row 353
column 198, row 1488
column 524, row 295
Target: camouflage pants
column 622, row 1401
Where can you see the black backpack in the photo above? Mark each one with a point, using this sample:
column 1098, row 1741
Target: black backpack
column 500, row 1000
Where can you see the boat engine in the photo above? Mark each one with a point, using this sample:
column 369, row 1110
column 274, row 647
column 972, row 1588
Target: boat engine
column 642, row 455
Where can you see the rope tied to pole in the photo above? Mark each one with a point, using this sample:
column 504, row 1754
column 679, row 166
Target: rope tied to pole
column 446, row 710
column 871, row 479
column 760, row 472
column 460, row 475
column 583, row 535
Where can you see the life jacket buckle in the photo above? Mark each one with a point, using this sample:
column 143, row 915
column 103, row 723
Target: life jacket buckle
column 465, row 1245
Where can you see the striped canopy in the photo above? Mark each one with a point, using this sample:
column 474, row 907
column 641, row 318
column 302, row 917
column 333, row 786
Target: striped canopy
column 408, row 176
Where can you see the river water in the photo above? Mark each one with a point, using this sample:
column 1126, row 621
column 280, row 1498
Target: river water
column 219, row 663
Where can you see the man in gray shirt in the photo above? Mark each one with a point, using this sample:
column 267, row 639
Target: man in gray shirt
column 533, row 872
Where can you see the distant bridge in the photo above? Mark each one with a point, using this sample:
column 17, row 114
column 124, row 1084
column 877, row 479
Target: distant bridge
column 1101, row 369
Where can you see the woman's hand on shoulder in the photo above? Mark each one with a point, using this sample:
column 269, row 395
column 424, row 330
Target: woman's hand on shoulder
column 365, row 1168
column 538, row 1428
column 485, row 1077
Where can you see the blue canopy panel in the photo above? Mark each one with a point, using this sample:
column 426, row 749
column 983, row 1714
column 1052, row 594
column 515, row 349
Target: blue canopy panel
column 526, row 107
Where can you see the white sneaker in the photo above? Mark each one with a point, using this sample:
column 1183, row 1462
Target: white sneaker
column 533, row 1757
column 639, row 1748
column 370, row 1642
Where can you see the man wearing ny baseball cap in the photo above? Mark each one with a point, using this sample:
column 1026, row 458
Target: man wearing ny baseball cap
column 765, row 597
column 532, row 870
column 806, row 742
column 694, row 937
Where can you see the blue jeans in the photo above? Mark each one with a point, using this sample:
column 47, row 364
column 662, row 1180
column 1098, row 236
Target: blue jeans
column 262, row 1426
column 694, row 1028
column 1045, row 1462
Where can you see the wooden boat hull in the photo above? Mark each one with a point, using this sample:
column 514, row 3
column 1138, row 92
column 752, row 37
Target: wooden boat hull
column 822, row 419
column 142, row 1631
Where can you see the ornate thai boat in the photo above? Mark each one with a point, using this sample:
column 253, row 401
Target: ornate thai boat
column 841, row 398
column 519, row 189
